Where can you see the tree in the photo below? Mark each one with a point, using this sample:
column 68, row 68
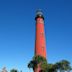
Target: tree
column 14, row 70
column 37, row 60
column 63, row 66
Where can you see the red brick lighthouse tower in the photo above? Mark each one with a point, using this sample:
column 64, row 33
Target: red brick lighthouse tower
column 40, row 43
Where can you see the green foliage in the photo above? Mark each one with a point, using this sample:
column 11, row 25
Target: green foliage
column 39, row 59
column 14, row 70
column 60, row 66
column 32, row 64
column 35, row 61
column 63, row 65
column 44, row 66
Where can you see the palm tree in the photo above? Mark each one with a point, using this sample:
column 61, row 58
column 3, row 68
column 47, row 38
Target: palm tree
column 32, row 64
column 37, row 60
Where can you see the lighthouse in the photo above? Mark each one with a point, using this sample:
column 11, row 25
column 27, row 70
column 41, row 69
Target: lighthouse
column 40, row 43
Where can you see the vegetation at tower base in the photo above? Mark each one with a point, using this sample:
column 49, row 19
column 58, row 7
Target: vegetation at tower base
column 37, row 60
column 61, row 66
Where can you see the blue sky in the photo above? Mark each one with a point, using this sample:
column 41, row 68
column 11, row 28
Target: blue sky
column 17, row 31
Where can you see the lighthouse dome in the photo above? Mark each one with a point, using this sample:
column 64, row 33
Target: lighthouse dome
column 39, row 13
